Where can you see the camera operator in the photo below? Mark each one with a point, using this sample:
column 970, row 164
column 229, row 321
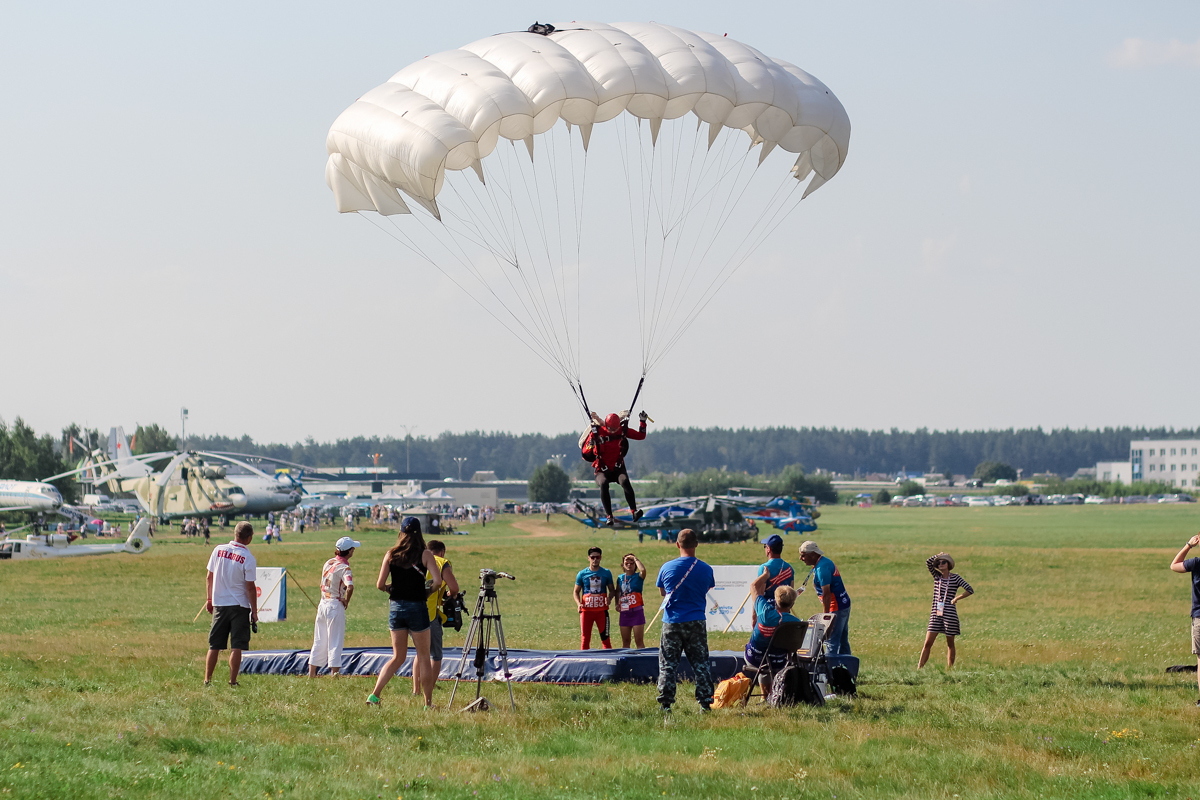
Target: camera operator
column 437, row 617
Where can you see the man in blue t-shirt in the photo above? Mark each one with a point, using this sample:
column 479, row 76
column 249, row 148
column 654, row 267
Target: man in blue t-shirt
column 1192, row 565
column 684, row 582
column 594, row 593
column 772, row 574
column 833, row 596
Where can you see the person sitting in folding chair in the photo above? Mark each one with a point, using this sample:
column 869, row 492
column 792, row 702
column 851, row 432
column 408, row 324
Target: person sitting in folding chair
column 770, row 613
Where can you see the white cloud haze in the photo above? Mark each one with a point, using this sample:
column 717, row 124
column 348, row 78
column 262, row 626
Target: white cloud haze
column 1138, row 53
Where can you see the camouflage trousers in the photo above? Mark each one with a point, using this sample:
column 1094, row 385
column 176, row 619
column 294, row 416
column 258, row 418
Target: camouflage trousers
column 690, row 639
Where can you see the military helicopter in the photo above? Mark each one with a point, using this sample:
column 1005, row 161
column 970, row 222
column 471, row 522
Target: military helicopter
column 191, row 484
column 713, row 518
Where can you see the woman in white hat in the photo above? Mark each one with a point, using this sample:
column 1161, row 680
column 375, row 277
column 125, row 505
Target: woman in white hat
column 943, row 616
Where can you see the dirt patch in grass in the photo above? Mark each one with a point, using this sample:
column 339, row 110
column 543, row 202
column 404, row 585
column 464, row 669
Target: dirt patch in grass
column 539, row 529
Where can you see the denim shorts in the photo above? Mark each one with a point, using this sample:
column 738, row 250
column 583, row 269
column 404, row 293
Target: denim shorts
column 410, row 615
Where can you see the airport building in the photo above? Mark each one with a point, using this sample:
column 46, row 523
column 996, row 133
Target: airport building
column 1175, row 462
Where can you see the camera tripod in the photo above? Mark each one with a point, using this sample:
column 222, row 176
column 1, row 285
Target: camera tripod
column 485, row 620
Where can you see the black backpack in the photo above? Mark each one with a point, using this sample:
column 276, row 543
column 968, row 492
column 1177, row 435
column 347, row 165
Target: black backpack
column 794, row 684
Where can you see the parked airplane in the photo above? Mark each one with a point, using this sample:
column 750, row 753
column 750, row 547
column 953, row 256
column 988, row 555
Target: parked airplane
column 29, row 496
column 58, row 545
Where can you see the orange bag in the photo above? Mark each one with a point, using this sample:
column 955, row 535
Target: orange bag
column 731, row 691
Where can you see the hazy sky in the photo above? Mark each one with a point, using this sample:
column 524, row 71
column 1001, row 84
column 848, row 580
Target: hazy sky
column 1012, row 241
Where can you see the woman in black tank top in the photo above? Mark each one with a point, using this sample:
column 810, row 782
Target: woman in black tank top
column 408, row 582
column 404, row 574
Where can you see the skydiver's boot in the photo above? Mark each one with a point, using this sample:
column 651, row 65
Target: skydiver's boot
column 638, row 515
column 610, row 522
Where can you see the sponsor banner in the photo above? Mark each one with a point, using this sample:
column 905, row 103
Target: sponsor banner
column 271, row 583
column 732, row 585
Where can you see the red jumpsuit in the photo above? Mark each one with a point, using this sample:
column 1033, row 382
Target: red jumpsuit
column 609, row 462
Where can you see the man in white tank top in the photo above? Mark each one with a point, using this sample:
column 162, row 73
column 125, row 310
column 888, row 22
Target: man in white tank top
column 329, row 631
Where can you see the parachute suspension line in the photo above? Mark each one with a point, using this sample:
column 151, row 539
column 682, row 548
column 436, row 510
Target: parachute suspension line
column 678, row 231
column 579, row 208
column 713, row 229
column 780, row 214
column 546, row 340
column 559, row 276
column 534, row 318
column 539, row 218
column 542, row 310
column 469, row 266
column 716, row 167
column 412, row 247
column 623, row 147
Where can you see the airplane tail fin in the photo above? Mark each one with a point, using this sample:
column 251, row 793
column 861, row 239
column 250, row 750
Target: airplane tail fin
column 139, row 537
column 121, row 454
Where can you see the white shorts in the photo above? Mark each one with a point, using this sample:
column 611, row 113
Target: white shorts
column 329, row 633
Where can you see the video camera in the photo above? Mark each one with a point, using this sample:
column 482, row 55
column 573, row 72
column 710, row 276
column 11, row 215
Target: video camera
column 487, row 578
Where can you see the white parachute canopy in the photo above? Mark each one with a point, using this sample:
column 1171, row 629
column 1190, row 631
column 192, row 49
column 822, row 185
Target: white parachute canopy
column 512, row 225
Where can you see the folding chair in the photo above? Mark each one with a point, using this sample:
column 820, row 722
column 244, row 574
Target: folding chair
column 788, row 638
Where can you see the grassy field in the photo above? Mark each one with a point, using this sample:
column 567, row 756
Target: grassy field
column 1059, row 689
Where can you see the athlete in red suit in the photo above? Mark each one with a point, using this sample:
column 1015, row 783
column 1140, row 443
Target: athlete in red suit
column 605, row 447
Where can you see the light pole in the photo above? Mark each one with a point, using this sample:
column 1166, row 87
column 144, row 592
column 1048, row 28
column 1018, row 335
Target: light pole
column 558, row 459
column 183, row 415
column 459, row 460
column 375, row 457
column 408, row 429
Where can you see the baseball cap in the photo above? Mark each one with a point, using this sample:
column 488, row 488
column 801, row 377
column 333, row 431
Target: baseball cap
column 345, row 543
column 775, row 542
column 810, row 547
column 410, row 525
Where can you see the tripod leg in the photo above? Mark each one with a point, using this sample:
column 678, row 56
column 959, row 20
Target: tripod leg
column 462, row 662
column 502, row 646
column 485, row 649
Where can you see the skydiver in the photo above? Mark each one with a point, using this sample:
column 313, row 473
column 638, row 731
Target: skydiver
column 605, row 447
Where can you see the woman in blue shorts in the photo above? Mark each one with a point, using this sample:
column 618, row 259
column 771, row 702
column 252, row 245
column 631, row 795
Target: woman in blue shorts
column 412, row 571
column 632, row 620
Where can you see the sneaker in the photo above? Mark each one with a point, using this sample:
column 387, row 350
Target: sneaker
column 638, row 515
column 372, row 700
column 609, row 521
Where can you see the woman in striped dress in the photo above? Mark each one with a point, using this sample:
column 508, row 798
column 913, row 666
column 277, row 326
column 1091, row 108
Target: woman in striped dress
column 943, row 615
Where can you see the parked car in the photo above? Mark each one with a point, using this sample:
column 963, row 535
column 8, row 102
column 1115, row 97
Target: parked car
column 915, row 500
column 1095, row 500
column 1134, row 498
column 1002, row 500
column 1177, row 498
column 978, row 502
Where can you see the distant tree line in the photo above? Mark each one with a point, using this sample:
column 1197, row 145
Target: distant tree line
column 761, row 451
column 25, row 456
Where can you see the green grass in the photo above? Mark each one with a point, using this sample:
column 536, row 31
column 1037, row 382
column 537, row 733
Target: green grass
column 1059, row 690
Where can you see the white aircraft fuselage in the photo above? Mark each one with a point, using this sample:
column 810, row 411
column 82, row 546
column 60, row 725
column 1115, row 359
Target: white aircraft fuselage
column 58, row 545
column 29, row 496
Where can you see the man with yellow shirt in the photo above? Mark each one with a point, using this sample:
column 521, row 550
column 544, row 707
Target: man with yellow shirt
column 436, row 615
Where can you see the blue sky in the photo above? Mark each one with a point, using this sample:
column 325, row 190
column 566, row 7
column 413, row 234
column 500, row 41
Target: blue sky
column 1012, row 241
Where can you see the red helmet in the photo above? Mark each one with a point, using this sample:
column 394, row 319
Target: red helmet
column 613, row 422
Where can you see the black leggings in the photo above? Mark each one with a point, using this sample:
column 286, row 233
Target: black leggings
column 603, row 479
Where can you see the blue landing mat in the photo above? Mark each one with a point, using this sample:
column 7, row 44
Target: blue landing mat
column 526, row 666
